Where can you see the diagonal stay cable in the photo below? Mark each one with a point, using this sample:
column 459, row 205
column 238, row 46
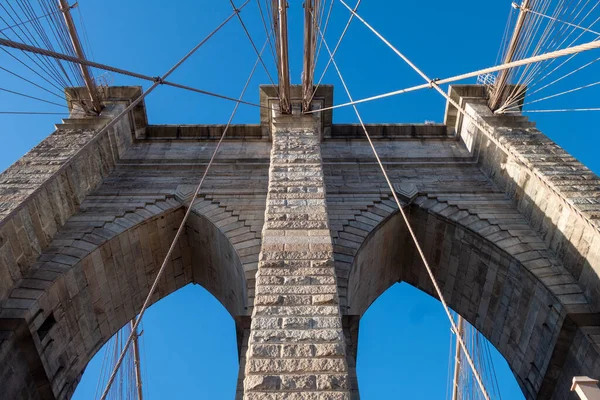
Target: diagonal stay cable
column 29, row 21
column 559, row 20
column 31, row 97
column 435, row 83
column 258, row 53
column 32, row 113
column 404, row 216
column 557, row 94
column 482, row 126
column 327, row 19
column 49, row 53
column 179, row 231
column 31, row 82
column 554, row 111
column 136, row 101
column 267, row 32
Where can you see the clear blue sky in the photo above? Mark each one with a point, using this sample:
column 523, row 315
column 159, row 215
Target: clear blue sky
column 189, row 338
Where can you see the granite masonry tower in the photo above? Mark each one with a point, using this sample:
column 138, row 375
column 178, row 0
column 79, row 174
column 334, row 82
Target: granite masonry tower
column 295, row 232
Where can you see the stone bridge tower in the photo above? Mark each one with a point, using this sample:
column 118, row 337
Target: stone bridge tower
column 296, row 234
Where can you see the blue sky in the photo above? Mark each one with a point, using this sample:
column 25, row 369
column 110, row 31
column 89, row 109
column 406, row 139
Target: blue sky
column 189, row 338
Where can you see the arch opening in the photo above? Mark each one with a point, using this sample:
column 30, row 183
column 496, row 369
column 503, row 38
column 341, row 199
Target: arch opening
column 91, row 300
column 181, row 352
column 480, row 281
column 405, row 347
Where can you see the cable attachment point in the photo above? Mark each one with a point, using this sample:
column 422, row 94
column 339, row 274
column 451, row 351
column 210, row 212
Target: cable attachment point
column 432, row 83
column 158, row 79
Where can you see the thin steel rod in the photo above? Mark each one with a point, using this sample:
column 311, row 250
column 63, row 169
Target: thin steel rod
column 31, row 97
column 219, row 96
column 529, row 10
column 177, row 235
column 30, row 20
column 530, row 60
column 31, row 82
column 32, row 113
column 96, row 104
column 417, row 245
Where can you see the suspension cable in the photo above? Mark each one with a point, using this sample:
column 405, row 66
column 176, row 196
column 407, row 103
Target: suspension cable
column 179, row 231
column 32, row 113
column 334, row 52
column 553, row 111
column 30, row 20
column 404, row 216
column 31, row 82
column 31, row 97
column 433, row 83
column 258, row 53
column 407, row 222
column 529, row 10
column 157, row 80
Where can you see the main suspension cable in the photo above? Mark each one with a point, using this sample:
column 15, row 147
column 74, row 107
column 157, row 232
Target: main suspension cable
column 159, row 80
column 433, row 83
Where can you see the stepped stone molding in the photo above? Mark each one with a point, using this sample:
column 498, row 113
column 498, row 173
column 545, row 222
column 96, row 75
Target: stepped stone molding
column 296, row 233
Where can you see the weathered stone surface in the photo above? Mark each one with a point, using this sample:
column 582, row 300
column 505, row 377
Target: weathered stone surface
column 289, row 337
column 296, row 233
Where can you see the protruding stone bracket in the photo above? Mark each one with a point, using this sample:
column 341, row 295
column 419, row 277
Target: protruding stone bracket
column 111, row 95
column 184, row 193
column 407, row 192
column 586, row 388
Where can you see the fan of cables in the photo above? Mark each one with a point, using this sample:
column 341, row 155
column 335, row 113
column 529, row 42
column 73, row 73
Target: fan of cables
column 38, row 23
column 126, row 384
column 463, row 385
column 536, row 27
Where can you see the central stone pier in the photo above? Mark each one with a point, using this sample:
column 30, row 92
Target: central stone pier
column 296, row 347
